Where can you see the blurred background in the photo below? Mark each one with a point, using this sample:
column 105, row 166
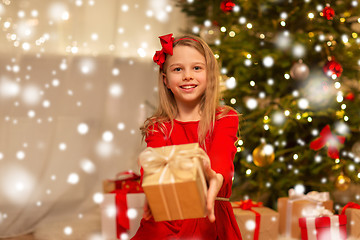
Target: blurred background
column 77, row 81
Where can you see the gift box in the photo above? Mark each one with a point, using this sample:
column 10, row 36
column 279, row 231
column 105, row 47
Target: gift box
column 352, row 212
column 174, row 182
column 123, row 180
column 323, row 228
column 293, row 207
column 121, row 214
column 256, row 222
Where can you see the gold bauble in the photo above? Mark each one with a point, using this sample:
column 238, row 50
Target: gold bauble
column 342, row 182
column 263, row 155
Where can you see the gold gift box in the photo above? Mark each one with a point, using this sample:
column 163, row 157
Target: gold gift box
column 174, row 182
column 353, row 221
column 269, row 222
column 297, row 211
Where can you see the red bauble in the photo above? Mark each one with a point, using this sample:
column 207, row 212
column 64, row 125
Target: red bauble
column 350, row 96
column 227, row 5
column 328, row 13
column 333, row 67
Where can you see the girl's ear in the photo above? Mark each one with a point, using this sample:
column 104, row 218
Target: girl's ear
column 164, row 79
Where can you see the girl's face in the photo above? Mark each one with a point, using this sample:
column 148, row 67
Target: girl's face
column 185, row 75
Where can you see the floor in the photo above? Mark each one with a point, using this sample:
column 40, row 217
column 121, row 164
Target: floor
column 25, row 237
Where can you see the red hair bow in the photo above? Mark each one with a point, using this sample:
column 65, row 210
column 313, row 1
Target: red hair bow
column 167, row 47
column 333, row 142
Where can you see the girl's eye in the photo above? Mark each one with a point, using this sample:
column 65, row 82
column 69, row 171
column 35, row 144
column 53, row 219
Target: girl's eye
column 177, row 69
column 197, row 68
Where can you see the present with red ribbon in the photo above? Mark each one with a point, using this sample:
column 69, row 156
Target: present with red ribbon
column 352, row 212
column 123, row 180
column 121, row 213
column 323, row 225
column 255, row 221
column 174, row 181
column 295, row 206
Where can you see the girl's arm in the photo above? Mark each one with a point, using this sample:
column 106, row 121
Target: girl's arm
column 221, row 155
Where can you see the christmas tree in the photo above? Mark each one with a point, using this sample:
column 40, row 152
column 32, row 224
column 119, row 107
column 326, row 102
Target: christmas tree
column 291, row 68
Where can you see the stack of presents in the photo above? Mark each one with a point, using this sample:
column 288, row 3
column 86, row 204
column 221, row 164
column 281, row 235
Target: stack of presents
column 175, row 188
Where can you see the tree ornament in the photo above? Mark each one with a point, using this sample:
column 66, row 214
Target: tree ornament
column 210, row 34
column 263, row 155
column 332, row 141
column 227, row 5
column 356, row 149
column 332, row 67
column 299, row 70
column 342, row 182
column 350, row 96
column 328, row 12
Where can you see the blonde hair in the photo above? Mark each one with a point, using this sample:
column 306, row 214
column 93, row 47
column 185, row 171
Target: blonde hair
column 210, row 109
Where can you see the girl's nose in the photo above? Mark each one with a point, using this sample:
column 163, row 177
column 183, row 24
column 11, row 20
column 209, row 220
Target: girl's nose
column 187, row 75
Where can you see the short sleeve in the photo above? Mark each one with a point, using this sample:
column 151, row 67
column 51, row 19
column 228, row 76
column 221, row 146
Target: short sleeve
column 223, row 149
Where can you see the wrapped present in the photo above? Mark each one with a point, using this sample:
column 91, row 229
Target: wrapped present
column 352, row 212
column 121, row 213
column 323, row 225
column 293, row 207
column 256, row 222
column 174, row 182
column 123, row 180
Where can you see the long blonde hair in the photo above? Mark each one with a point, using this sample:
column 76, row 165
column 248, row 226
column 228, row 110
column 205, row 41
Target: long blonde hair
column 210, row 109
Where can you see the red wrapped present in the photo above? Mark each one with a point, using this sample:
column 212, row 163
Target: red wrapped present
column 331, row 227
column 293, row 207
column 352, row 212
column 255, row 221
column 123, row 180
column 121, row 213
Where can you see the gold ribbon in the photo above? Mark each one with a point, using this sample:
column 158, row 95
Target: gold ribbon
column 175, row 164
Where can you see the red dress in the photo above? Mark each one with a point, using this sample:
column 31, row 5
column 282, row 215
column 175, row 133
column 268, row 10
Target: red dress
column 221, row 151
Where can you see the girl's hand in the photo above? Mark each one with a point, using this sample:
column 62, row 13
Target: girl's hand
column 215, row 181
column 147, row 211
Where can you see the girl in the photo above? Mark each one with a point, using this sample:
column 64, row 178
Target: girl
column 189, row 112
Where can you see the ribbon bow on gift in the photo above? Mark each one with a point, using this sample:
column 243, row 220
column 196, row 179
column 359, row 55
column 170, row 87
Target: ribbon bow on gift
column 178, row 162
column 319, row 211
column 167, row 47
column 313, row 196
column 350, row 205
column 248, row 205
column 332, row 141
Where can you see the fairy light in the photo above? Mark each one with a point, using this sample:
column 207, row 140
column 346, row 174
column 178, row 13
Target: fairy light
column 252, row 83
column 309, row 119
column 247, row 62
column 242, row 20
column 283, row 23
column 223, row 29
column 317, row 48
column 295, row 156
column 268, row 61
column 248, row 172
column 287, row 76
column 249, row 26
column 318, row 159
column 346, row 118
column 343, row 106
column 287, row 112
column 270, row 81
column 232, row 100
column 232, row 34
column 311, row 15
